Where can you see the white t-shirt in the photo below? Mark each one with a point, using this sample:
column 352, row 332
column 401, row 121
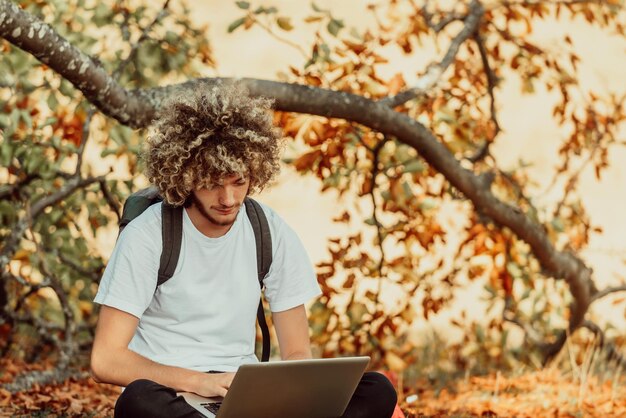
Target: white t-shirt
column 204, row 317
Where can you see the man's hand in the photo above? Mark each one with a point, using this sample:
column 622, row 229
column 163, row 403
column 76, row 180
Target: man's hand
column 214, row 384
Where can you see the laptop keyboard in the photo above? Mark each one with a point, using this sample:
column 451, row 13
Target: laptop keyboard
column 212, row 406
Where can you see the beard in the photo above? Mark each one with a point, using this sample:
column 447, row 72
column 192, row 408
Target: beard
column 198, row 204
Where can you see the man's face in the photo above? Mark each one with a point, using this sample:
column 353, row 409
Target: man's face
column 220, row 202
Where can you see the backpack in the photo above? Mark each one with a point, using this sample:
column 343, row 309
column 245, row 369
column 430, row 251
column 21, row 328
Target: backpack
column 172, row 233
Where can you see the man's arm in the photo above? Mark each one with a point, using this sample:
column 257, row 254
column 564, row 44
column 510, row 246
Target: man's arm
column 292, row 329
column 112, row 361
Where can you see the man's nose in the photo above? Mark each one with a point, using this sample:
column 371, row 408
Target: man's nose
column 227, row 197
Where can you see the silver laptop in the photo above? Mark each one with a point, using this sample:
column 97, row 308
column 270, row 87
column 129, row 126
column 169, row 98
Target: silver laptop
column 319, row 388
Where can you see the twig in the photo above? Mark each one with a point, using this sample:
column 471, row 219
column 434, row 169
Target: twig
column 67, row 348
column 442, row 23
column 376, row 153
column 124, row 26
column 43, row 328
column 93, row 275
column 519, row 191
column 143, row 37
column 11, row 243
column 571, row 182
column 9, row 189
column 550, row 3
column 612, row 354
column 10, row 316
column 113, row 204
column 492, row 80
column 530, row 334
column 286, row 41
column 434, row 71
column 604, row 292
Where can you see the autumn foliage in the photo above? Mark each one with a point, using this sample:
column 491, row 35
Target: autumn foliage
column 397, row 261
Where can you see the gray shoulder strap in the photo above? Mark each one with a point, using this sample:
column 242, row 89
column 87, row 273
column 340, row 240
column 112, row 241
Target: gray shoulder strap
column 172, row 233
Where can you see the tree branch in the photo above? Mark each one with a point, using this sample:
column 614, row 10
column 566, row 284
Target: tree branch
column 492, row 80
column 434, row 71
column 375, row 171
column 39, row 39
column 66, row 348
column 612, row 354
column 10, row 245
column 138, row 108
column 549, row 3
column 10, row 189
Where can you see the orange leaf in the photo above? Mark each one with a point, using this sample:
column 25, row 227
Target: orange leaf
column 306, row 161
column 396, row 84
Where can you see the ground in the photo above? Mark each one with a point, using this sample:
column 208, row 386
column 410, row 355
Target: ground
column 541, row 393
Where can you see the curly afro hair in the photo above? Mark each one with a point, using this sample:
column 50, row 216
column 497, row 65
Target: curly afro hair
column 203, row 136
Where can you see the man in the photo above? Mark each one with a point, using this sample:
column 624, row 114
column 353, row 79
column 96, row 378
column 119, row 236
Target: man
column 207, row 151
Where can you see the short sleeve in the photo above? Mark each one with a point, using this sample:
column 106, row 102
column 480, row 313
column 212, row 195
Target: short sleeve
column 291, row 280
column 130, row 278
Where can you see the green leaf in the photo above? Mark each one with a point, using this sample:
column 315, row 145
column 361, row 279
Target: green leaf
column 236, row 24
column 427, row 204
column 355, row 34
column 6, row 152
column 15, row 117
column 414, row 166
column 557, row 224
column 370, row 221
column 325, row 51
column 491, row 290
column 4, row 121
column 34, row 162
column 317, row 9
column 480, row 333
column 334, row 26
column 406, row 188
column 284, row 23
column 243, row 4
column 52, row 101
column 48, row 121
column 66, row 88
column 514, row 269
column 313, row 59
column 102, row 14
column 263, row 10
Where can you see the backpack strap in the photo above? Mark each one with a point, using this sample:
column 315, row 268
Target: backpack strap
column 172, row 233
column 263, row 239
column 136, row 204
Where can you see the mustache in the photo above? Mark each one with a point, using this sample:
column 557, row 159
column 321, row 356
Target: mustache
column 225, row 207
